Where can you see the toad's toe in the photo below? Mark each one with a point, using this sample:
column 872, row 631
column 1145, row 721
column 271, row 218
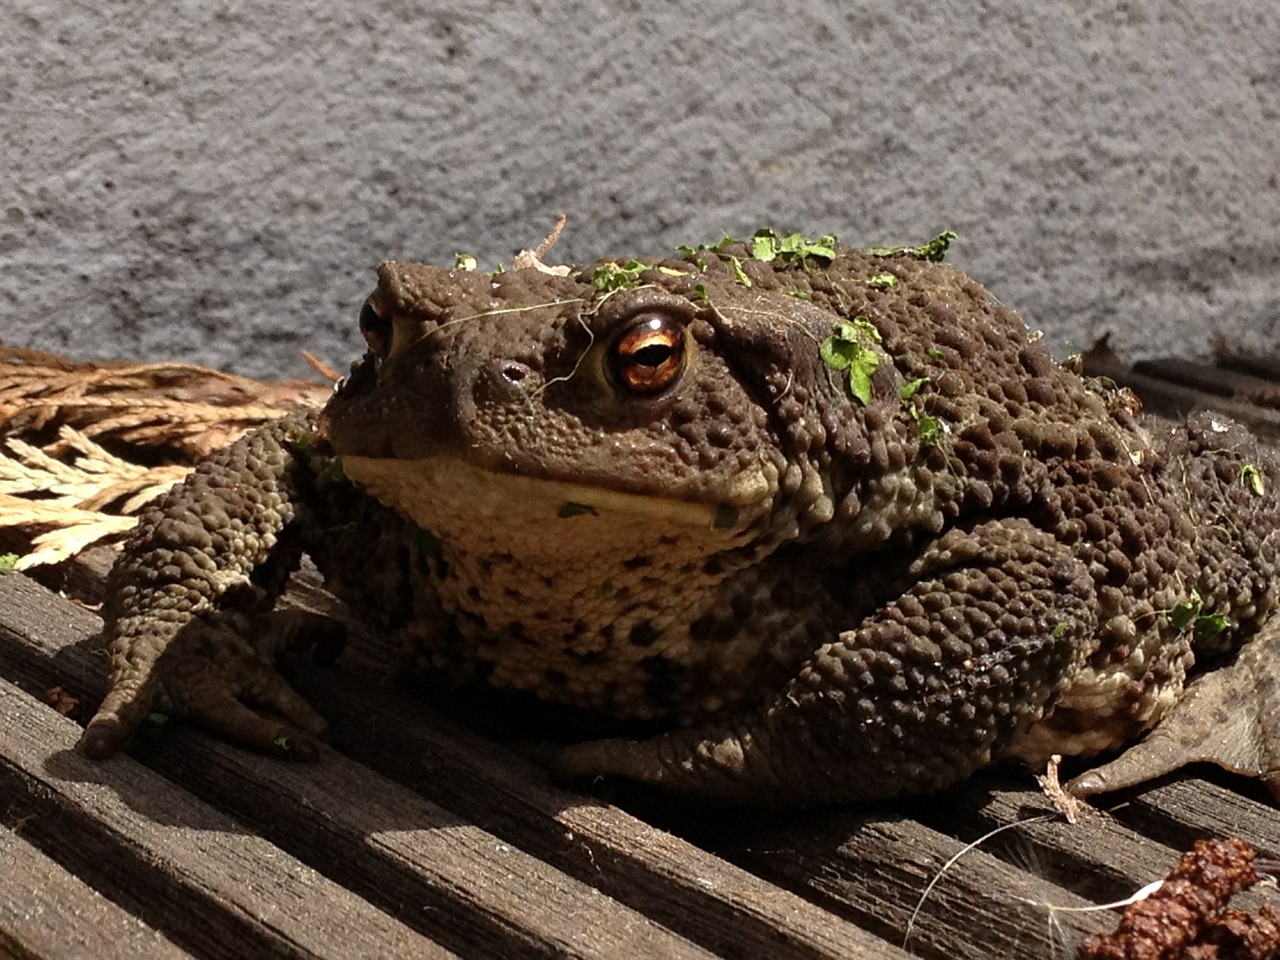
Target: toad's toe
column 1230, row 717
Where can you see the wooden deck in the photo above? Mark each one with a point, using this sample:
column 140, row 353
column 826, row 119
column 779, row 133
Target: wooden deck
column 416, row 837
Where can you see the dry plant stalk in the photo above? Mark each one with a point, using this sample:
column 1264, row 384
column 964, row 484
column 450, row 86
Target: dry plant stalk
column 1071, row 807
column 62, row 489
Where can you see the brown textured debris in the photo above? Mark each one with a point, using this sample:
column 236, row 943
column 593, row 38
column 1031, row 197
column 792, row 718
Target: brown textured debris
column 1187, row 917
column 61, row 701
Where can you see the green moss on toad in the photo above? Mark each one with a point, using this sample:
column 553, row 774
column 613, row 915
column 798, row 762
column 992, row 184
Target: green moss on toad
column 618, row 276
column 850, row 348
column 935, row 250
column 1190, row 612
column 912, row 387
column 767, row 245
column 928, row 430
column 881, row 281
column 1251, row 477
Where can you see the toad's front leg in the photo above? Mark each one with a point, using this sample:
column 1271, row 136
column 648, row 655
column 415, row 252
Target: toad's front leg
column 188, row 618
column 930, row 688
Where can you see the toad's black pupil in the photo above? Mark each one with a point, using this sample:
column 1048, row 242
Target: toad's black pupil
column 372, row 322
column 652, row 355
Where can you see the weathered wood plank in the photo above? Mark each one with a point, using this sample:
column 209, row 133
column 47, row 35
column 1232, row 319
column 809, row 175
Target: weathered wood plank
column 1242, row 380
column 1098, row 858
column 873, row 868
column 47, row 913
column 196, row 875
column 850, row 871
column 1106, row 857
column 436, row 872
column 707, row 900
column 1182, row 811
column 1167, row 399
column 423, row 864
column 1265, row 369
column 712, row 902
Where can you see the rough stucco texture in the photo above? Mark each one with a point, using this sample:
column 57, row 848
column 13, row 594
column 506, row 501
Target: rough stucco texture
column 215, row 180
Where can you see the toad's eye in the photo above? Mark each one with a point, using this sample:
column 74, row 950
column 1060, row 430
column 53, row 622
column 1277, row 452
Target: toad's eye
column 649, row 355
column 376, row 329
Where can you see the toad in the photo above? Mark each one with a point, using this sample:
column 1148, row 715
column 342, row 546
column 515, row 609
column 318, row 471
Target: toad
column 831, row 521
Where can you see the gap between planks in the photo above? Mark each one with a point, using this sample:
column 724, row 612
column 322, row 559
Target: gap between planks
column 47, row 913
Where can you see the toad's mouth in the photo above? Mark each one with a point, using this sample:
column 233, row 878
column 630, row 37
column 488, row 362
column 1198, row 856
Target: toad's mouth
column 447, row 495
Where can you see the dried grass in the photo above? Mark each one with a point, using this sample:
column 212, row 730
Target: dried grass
column 181, row 406
column 62, row 489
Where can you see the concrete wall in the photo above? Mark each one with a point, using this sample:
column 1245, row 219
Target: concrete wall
column 214, row 179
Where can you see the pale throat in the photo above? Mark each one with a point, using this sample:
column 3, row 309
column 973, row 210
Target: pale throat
column 556, row 558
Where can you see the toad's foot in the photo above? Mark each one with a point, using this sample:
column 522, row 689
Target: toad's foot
column 210, row 673
column 1230, row 717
